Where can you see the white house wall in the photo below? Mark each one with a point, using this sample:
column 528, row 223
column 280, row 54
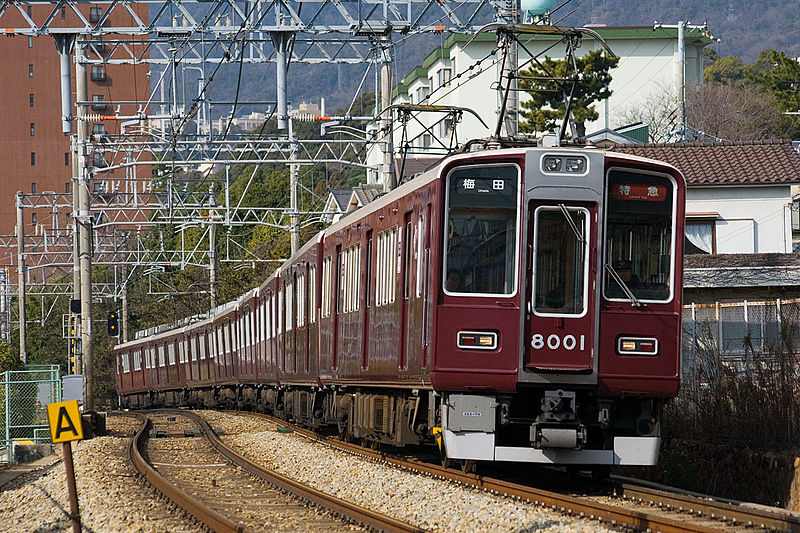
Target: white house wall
column 751, row 219
column 647, row 66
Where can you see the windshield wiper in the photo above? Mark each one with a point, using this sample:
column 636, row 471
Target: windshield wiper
column 628, row 292
column 571, row 222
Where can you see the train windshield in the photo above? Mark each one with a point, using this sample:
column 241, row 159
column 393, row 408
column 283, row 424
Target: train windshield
column 639, row 237
column 482, row 214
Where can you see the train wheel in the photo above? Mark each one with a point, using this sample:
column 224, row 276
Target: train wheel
column 468, row 466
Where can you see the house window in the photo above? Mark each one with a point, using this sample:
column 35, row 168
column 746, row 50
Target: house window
column 30, row 41
column 443, row 76
column 63, row 13
column 33, row 219
column 30, row 71
column 700, row 237
column 33, row 129
column 98, row 98
column 446, row 127
column 66, row 163
column 98, row 129
column 99, row 160
column 30, row 100
column 421, row 94
column 66, row 187
column 33, row 158
column 33, row 187
column 94, row 14
column 98, row 73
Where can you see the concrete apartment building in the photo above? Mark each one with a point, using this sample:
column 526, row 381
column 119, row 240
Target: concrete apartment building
column 35, row 154
column 464, row 73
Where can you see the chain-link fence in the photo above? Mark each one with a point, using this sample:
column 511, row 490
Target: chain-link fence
column 733, row 334
column 24, row 395
column 741, row 372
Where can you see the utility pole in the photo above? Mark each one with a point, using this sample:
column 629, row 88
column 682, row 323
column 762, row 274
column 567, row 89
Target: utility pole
column 124, row 312
column 21, row 271
column 681, row 68
column 387, row 173
column 508, row 65
column 84, row 220
column 294, row 218
column 212, row 247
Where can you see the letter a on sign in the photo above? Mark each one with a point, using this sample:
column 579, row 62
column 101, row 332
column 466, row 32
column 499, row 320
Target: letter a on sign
column 65, row 421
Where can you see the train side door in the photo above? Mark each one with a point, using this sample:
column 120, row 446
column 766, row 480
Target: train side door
column 561, row 296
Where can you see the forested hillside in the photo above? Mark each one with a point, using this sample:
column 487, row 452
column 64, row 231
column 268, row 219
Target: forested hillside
column 744, row 28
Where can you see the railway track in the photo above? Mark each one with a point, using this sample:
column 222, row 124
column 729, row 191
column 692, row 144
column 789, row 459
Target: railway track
column 633, row 506
column 227, row 492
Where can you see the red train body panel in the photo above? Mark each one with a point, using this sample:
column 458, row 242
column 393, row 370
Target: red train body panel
column 524, row 303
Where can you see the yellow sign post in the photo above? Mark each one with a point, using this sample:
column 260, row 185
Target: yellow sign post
column 65, row 427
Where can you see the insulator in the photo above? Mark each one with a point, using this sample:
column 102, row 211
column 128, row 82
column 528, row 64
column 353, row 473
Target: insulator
column 305, row 117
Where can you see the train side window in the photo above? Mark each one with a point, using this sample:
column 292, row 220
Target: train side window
column 327, row 263
column 279, row 318
column 161, row 359
column 301, row 300
column 481, row 226
column 137, row 361
column 228, row 337
column 312, row 294
column 220, row 341
column 386, row 267
column 171, row 353
column 212, row 344
column 561, row 259
column 193, row 348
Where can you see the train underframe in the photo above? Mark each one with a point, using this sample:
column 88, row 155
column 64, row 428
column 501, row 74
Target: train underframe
column 552, row 426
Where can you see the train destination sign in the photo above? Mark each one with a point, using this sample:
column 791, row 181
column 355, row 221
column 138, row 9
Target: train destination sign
column 641, row 192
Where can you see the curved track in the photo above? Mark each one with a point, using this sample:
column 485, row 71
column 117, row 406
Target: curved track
column 656, row 510
column 212, row 485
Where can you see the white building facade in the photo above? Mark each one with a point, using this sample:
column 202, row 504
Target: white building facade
column 465, row 74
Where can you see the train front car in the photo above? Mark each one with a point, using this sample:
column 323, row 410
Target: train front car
column 558, row 319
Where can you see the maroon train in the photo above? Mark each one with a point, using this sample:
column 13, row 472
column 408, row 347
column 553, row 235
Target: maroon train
column 522, row 304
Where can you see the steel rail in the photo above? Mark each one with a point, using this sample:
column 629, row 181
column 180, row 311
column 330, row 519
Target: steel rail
column 614, row 515
column 353, row 512
column 716, row 509
column 214, row 520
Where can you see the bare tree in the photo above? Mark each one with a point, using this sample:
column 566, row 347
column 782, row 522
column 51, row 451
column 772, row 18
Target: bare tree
column 660, row 110
column 733, row 113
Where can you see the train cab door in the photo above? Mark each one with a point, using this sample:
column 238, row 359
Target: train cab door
column 560, row 299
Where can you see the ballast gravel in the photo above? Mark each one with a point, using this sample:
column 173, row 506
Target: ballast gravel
column 112, row 497
column 431, row 504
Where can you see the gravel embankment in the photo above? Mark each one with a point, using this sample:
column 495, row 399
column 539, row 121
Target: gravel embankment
column 431, row 504
column 111, row 495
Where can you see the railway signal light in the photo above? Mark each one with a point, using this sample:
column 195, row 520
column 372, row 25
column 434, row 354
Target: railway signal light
column 113, row 324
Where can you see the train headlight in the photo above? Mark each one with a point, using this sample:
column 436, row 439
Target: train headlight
column 552, row 164
column 637, row 346
column 477, row 340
